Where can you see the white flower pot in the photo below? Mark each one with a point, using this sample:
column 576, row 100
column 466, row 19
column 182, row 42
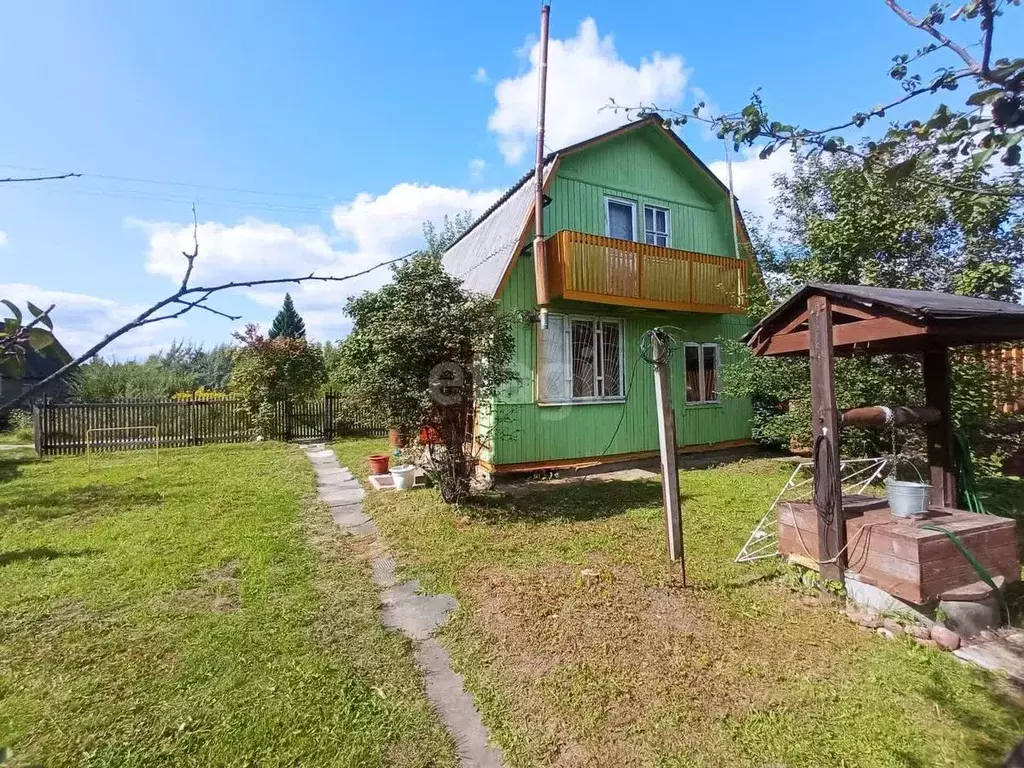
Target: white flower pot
column 404, row 476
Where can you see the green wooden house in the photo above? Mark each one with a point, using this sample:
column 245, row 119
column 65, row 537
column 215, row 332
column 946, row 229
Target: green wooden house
column 638, row 233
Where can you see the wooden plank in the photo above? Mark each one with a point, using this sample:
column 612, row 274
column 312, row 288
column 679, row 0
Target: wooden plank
column 846, row 334
column 828, row 491
column 937, row 385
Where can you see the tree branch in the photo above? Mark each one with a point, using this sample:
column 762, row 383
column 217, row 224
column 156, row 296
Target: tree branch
column 989, row 28
column 191, row 257
column 926, row 26
column 40, row 178
column 150, row 316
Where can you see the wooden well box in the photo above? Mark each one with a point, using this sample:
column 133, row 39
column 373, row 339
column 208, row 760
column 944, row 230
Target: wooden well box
column 901, row 557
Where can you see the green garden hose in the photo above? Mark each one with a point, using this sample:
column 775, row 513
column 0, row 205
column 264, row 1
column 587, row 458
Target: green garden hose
column 978, row 567
column 967, row 488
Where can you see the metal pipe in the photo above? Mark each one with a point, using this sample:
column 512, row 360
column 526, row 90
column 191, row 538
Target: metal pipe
column 880, row 416
column 540, row 264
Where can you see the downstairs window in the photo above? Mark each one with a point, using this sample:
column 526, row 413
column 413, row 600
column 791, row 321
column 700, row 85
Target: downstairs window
column 579, row 359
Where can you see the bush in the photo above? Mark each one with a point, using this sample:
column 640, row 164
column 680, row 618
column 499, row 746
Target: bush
column 270, row 371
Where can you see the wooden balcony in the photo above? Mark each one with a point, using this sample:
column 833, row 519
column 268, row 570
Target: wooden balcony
column 584, row 267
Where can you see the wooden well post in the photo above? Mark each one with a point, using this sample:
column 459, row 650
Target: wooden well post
column 828, row 492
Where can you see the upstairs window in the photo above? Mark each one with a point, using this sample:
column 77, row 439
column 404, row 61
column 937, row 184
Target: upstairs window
column 620, row 218
column 579, row 359
column 656, row 227
column 702, row 366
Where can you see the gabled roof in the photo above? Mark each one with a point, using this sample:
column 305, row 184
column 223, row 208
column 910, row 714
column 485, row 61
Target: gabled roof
column 484, row 253
column 923, row 320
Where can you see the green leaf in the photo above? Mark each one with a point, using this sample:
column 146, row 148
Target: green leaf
column 14, row 309
column 901, row 170
column 978, row 98
column 979, row 159
column 39, row 339
column 38, row 313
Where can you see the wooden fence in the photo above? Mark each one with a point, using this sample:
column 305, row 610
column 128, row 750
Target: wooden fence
column 63, row 428
column 1010, row 361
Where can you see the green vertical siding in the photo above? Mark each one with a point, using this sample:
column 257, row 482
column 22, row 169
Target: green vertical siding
column 636, row 167
column 643, row 167
column 524, row 431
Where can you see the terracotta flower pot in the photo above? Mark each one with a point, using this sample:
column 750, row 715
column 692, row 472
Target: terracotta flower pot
column 379, row 464
column 396, row 438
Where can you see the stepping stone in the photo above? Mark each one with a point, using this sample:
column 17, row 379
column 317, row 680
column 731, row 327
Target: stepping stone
column 337, row 485
column 343, row 496
column 333, row 473
column 323, row 453
column 349, row 517
column 414, row 614
column 383, row 571
column 369, row 528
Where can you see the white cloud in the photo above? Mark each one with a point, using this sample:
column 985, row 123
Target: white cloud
column 367, row 231
column 480, row 76
column 752, row 179
column 584, row 73
column 476, row 168
column 3, row 238
column 80, row 320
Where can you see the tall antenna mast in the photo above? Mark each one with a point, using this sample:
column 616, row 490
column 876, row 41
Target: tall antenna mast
column 540, row 264
column 740, row 287
column 732, row 202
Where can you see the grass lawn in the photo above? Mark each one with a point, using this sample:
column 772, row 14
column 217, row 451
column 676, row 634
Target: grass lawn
column 203, row 612
column 629, row 669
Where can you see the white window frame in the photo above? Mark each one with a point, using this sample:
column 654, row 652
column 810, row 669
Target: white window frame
column 608, row 217
column 700, row 347
column 597, row 322
column 668, row 225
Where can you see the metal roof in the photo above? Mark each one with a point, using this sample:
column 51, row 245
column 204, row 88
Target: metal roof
column 482, row 254
column 951, row 320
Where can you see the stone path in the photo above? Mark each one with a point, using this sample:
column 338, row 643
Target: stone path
column 416, row 615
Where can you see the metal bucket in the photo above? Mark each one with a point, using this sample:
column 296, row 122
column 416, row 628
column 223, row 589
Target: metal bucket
column 907, row 499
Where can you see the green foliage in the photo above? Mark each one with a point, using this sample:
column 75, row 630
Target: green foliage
column 270, row 371
column 840, row 222
column 439, row 241
column 103, row 380
column 183, row 367
column 18, row 337
column 422, row 352
column 288, row 322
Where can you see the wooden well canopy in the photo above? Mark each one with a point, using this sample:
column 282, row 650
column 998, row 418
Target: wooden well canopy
column 822, row 320
column 883, row 320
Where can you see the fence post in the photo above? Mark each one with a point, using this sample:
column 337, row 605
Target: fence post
column 287, row 419
column 37, row 429
column 328, row 416
column 192, row 419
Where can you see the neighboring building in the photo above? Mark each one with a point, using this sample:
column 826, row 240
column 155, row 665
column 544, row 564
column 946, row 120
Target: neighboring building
column 37, row 367
column 639, row 234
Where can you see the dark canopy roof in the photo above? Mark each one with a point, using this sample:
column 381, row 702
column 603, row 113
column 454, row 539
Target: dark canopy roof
column 888, row 320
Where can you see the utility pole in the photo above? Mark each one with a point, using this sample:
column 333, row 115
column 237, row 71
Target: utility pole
column 540, row 264
column 667, row 445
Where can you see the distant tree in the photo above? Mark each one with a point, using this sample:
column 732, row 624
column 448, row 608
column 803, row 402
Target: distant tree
column 839, row 221
column 452, row 228
column 103, row 380
column 269, row 371
column 288, row 322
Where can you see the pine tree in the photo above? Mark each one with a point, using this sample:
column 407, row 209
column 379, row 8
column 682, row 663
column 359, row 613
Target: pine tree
column 288, row 323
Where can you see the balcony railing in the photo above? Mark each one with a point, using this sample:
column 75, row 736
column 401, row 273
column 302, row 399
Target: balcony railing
column 584, row 267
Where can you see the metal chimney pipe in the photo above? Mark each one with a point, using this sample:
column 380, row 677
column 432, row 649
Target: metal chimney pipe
column 540, row 265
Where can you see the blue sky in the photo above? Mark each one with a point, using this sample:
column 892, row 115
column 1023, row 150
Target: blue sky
column 320, row 135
